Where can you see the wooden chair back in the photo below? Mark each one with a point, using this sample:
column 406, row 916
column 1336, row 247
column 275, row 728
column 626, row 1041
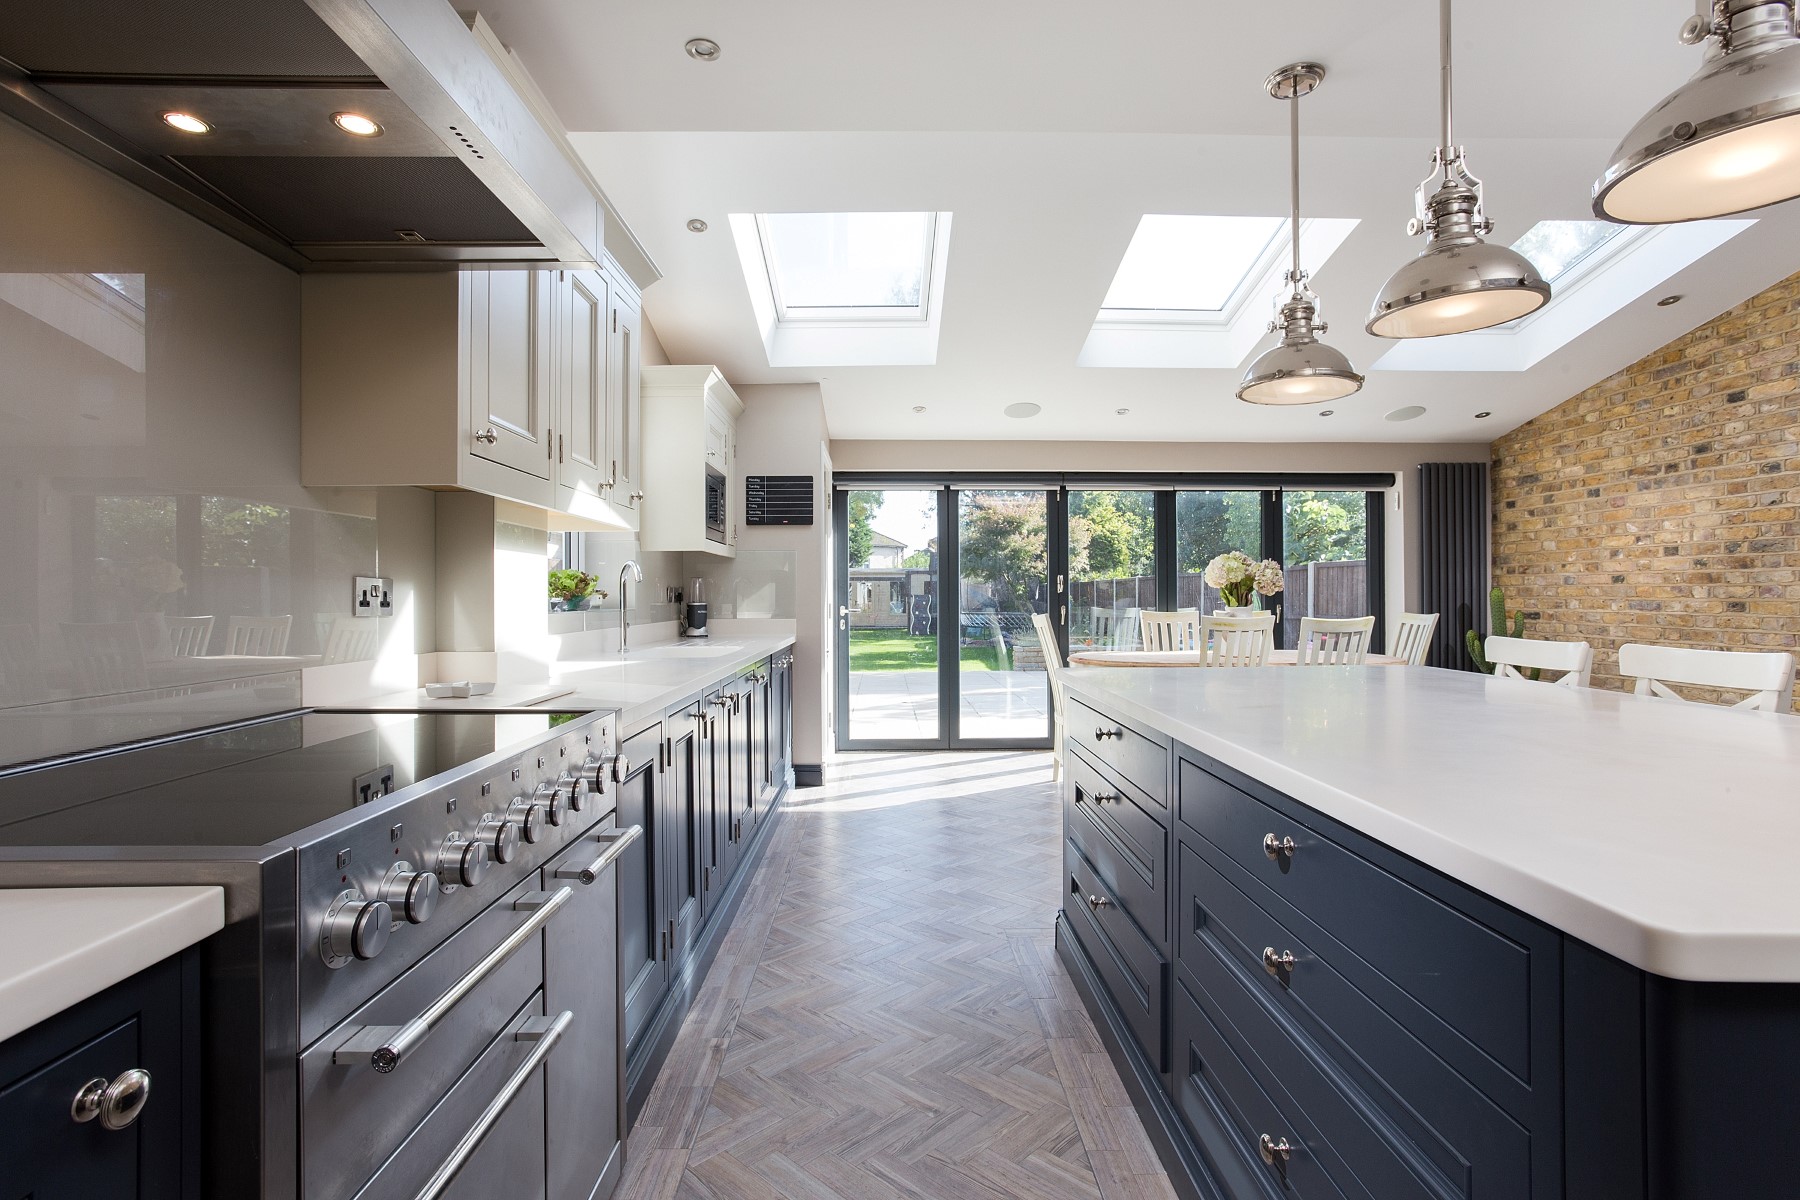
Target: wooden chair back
column 1412, row 638
column 1053, row 663
column 1170, row 630
column 1334, row 641
column 1511, row 656
column 1238, row 641
column 1768, row 677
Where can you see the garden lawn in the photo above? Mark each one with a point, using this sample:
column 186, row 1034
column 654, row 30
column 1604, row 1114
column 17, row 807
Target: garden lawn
column 891, row 650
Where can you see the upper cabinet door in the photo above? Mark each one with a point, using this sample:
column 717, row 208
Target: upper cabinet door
column 510, row 381
column 583, row 462
column 627, row 408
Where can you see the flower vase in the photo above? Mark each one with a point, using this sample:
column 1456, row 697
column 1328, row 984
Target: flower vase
column 1237, row 610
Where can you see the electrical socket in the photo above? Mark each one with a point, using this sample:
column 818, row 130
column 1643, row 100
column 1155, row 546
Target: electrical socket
column 372, row 596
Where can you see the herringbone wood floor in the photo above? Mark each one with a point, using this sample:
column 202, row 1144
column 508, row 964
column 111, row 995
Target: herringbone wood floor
column 887, row 1017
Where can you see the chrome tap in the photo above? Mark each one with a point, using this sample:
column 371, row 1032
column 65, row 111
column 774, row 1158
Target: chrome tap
column 637, row 575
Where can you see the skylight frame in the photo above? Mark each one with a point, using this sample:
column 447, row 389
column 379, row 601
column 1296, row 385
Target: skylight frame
column 1272, row 255
column 1594, row 258
column 870, row 315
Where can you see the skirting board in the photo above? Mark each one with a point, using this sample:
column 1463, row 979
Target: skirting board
column 809, row 774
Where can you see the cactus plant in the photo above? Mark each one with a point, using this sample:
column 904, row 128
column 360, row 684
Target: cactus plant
column 1497, row 623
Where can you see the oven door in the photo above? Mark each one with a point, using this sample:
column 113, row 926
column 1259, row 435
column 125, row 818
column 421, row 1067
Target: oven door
column 715, row 505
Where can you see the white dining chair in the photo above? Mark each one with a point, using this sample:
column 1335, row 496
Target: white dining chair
column 263, row 637
column 1334, row 641
column 1053, row 664
column 189, row 636
column 1511, row 656
column 106, row 657
column 1178, row 630
column 352, row 639
column 1768, row 677
column 1238, row 641
column 1412, row 637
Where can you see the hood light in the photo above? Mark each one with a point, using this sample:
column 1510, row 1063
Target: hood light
column 356, row 124
column 186, row 122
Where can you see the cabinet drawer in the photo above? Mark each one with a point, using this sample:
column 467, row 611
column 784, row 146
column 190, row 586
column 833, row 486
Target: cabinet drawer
column 1443, row 1116
column 1139, row 756
column 1134, row 972
column 1126, row 846
column 1472, row 978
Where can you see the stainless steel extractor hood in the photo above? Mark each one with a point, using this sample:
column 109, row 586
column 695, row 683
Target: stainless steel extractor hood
column 461, row 170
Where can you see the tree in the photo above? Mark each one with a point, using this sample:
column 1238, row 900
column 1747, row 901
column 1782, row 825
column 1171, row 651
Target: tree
column 862, row 531
column 918, row 560
column 1209, row 523
column 1112, row 535
column 1326, row 526
column 1002, row 545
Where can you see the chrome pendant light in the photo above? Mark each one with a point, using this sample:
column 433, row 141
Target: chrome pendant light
column 1302, row 369
column 1727, row 140
column 1459, row 283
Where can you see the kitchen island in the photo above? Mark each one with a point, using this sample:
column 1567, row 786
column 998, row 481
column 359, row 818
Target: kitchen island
column 1427, row 933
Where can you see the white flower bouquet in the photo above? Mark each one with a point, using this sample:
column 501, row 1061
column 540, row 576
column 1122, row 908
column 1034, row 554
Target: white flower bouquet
column 1237, row 576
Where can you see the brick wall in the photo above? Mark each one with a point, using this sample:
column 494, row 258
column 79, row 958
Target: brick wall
column 1660, row 505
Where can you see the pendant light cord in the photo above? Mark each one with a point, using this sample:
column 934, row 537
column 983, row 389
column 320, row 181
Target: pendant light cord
column 1294, row 180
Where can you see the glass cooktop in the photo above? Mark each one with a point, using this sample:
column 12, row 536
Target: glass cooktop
column 247, row 785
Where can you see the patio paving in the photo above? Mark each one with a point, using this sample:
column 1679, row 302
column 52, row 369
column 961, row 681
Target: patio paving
column 900, row 705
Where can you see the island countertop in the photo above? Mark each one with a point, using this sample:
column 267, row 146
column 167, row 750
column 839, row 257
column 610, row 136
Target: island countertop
column 1656, row 831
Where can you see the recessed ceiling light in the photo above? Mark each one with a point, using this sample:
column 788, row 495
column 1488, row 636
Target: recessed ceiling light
column 918, row 408
column 355, row 124
column 1023, row 409
column 696, row 226
column 704, row 49
column 186, row 122
column 1668, row 300
column 1326, row 412
column 1409, row 413
column 1482, row 416
column 1123, row 412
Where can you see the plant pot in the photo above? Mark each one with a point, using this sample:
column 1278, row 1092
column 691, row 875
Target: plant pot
column 1235, row 610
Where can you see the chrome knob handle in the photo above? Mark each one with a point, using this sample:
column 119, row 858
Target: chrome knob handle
column 487, row 436
column 1273, row 1149
column 501, row 836
column 621, row 767
column 553, row 799
column 1278, row 965
column 1106, row 797
column 528, row 817
column 411, row 894
column 462, row 863
column 1100, row 735
column 593, row 773
column 354, row 928
column 1278, row 848
column 637, row 495
column 116, row 1104
column 1098, row 902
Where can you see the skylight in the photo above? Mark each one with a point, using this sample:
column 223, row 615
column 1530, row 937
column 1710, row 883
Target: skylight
column 1187, row 267
column 849, row 266
column 1558, row 248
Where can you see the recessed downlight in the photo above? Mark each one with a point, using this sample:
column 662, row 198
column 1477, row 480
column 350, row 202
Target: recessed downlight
column 1326, row 412
column 696, row 225
column 1123, row 412
column 918, row 408
column 1411, row 412
column 186, row 122
column 1666, row 301
column 355, row 124
column 703, row 49
column 1023, row 409
column 1482, row 416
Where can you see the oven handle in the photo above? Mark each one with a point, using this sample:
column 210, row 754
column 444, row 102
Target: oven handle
column 614, row 843
column 386, row 1046
column 546, row 1032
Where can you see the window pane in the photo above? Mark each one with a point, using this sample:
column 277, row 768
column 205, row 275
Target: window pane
column 1325, row 535
column 1003, row 687
column 848, row 260
column 1192, row 264
column 1557, row 247
column 892, row 558
column 1112, row 566
column 1207, row 524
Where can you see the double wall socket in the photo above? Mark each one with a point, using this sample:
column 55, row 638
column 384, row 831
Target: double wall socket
column 372, row 597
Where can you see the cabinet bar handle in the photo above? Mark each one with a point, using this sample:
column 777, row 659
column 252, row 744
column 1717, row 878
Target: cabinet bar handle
column 615, row 845
column 1278, row 848
column 1100, row 735
column 1098, row 902
column 1273, row 1149
column 1279, row 965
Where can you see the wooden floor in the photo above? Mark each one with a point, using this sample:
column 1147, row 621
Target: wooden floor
column 887, row 1017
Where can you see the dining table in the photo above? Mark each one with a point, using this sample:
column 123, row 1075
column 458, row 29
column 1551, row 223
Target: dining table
column 1196, row 658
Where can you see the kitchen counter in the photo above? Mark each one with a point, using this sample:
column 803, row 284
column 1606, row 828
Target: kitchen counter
column 503, row 698
column 1653, row 830
column 66, row 944
column 650, row 678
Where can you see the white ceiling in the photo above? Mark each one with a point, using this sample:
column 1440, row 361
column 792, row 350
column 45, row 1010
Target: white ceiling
column 1049, row 128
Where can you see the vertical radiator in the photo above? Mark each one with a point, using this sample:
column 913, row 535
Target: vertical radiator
column 1453, row 582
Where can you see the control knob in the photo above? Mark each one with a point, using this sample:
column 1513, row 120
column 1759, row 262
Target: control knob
column 462, row 863
column 411, row 894
column 528, row 817
column 354, row 928
column 500, row 835
column 553, row 798
column 596, row 769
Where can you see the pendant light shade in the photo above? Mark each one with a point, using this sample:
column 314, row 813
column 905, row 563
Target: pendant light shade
column 1459, row 283
column 1301, row 369
column 1728, row 140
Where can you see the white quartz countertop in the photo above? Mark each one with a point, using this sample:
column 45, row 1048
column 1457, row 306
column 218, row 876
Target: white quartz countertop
column 650, row 678
column 66, row 944
column 1659, row 832
column 504, row 696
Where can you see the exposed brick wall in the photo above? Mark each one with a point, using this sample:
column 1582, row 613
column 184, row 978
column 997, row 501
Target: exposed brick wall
column 1660, row 505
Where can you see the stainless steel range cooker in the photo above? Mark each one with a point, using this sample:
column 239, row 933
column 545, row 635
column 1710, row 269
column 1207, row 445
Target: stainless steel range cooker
column 416, row 994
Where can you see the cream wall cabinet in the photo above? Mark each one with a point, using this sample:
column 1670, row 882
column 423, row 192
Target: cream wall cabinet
column 690, row 423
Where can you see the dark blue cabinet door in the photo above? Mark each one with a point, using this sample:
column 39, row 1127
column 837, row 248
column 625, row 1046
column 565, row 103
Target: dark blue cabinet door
column 643, row 937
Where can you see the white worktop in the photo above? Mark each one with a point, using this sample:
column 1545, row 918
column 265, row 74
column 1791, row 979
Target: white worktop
column 66, row 944
column 649, row 678
column 1660, row 832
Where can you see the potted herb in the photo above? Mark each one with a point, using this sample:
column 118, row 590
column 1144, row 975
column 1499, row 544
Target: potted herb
column 572, row 588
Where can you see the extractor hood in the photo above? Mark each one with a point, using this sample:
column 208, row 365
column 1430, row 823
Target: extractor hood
column 462, row 169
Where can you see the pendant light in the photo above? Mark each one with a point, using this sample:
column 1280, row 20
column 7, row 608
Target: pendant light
column 1727, row 140
column 1302, row 369
column 1459, row 282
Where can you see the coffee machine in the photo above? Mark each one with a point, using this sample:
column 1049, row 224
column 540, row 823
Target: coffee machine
column 696, row 609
